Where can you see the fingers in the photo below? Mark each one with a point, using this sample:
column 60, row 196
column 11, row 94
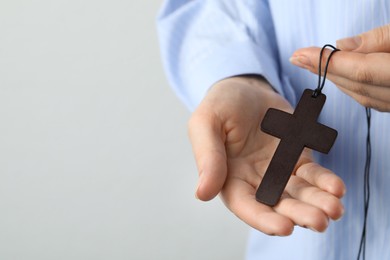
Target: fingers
column 239, row 197
column 375, row 92
column 376, row 40
column 360, row 70
column 304, row 192
column 303, row 214
column 322, row 178
column 366, row 101
column 302, row 204
column 364, row 77
column 205, row 132
column 370, row 69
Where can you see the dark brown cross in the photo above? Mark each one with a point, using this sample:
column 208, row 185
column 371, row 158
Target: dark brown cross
column 296, row 131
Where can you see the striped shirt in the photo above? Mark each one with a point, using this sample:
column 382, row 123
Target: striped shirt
column 203, row 41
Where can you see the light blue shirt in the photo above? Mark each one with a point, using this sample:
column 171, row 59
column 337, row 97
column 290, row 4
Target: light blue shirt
column 204, row 41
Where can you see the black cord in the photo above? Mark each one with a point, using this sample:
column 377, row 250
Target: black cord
column 362, row 246
column 321, row 84
column 317, row 91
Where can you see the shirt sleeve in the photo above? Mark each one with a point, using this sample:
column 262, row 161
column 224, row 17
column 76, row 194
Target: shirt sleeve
column 205, row 41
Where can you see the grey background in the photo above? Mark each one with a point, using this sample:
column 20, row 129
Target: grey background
column 94, row 157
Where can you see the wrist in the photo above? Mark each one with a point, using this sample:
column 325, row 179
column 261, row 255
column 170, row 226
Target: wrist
column 246, row 95
column 254, row 80
column 252, row 86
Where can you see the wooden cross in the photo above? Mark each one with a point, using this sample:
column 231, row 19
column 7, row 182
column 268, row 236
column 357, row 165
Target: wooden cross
column 296, row 131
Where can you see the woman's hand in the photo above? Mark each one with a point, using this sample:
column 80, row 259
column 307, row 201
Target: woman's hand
column 361, row 69
column 232, row 154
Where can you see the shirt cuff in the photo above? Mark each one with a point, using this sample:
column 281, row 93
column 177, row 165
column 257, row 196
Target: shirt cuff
column 238, row 58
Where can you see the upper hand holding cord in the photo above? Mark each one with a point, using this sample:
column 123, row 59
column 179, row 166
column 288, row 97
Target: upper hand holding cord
column 360, row 70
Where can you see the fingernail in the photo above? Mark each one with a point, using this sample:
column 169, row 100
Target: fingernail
column 312, row 229
column 301, row 61
column 349, row 44
column 341, row 214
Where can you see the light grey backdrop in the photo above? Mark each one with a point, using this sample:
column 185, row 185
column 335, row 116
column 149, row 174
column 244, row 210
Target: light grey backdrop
column 94, row 157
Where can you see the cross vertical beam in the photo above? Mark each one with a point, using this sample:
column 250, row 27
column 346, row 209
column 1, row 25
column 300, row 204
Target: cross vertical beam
column 296, row 132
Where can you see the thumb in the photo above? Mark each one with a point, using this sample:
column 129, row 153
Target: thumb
column 207, row 139
column 376, row 40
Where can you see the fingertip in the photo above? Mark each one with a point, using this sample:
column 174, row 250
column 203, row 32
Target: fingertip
column 198, row 187
column 341, row 213
column 336, row 187
column 338, row 215
column 287, row 230
column 305, row 51
column 302, row 61
column 320, row 226
column 210, row 182
column 281, row 233
column 333, row 208
column 205, row 194
column 344, row 191
column 320, row 229
column 279, row 226
column 323, row 178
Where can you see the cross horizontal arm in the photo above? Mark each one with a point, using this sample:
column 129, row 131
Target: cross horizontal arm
column 321, row 138
column 276, row 122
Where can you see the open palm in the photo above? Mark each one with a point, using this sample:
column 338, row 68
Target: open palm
column 232, row 155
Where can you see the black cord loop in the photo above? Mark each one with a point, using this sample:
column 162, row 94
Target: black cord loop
column 321, row 81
